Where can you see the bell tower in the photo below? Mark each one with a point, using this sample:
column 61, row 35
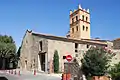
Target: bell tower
column 79, row 24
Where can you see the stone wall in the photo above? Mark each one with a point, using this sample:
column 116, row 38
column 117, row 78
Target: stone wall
column 36, row 50
column 63, row 48
column 116, row 44
column 26, row 49
column 31, row 49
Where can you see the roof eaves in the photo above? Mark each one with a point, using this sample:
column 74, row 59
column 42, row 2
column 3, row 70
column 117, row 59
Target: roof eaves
column 71, row 40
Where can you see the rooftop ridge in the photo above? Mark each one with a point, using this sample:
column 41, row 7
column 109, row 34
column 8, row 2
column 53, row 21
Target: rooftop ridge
column 65, row 38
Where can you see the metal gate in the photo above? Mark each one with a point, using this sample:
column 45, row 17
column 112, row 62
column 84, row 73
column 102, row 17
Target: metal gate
column 74, row 69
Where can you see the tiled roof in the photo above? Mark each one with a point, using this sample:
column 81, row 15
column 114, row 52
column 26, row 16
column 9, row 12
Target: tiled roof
column 117, row 39
column 69, row 40
column 96, row 40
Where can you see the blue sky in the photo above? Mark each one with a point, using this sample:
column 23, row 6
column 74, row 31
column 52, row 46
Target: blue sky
column 52, row 17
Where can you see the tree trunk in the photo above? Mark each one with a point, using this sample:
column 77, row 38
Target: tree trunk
column 3, row 63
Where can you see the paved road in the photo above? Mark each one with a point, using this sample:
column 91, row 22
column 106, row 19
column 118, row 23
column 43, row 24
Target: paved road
column 29, row 76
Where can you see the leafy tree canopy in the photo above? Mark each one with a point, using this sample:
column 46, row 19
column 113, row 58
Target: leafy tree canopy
column 6, row 39
column 7, row 48
column 7, row 45
column 115, row 71
column 96, row 61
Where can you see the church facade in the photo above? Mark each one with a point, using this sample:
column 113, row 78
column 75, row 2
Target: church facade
column 37, row 50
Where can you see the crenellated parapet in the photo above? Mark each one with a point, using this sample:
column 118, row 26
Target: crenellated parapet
column 79, row 8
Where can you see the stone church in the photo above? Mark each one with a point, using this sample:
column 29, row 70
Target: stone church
column 37, row 49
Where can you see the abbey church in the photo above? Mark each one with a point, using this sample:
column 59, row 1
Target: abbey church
column 37, row 50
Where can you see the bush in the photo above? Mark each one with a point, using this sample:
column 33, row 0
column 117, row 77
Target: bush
column 116, row 76
column 96, row 61
column 56, row 61
column 89, row 78
column 115, row 72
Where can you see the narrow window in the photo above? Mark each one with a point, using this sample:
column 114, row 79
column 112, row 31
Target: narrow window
column 86, row 28
column 40, row 45
column 83, row 27
column 77, row 28
column 26, row 62
column 72, row 20
column 76, row 18
column 72, row 30
column 64, row 57
column 31, row 66
column 87, row 46
column 76, row 47
column 86, row 18
column 76, row 50
column 34, row 62
column 83, row 17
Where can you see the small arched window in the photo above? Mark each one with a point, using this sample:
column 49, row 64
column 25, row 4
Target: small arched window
column 87, row 46
column 72, row 20
column 40, row 45
column 72, row 30
column 83, row 27
column 26, row 62
column 86, row 18
column 86, row 28
column 83, row 17
column 76, row 18
column 77, row 28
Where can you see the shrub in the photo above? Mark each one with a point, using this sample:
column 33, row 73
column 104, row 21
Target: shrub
column 115, row 72
column 96, row 61
column 56, row 61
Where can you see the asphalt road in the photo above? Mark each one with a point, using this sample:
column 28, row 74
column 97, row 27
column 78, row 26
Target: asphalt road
column 28, row 77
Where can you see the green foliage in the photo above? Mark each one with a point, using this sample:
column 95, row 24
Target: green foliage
column 56, row 61
column 6, row 39
column 14, row 59
column 7, row 48
column 115, row 72
column 89, row 78
column 96, row 61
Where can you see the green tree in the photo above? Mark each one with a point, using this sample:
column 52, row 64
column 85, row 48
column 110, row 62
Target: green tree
column 14, row 59
column 56, row 61
column 115, row 71
column 7, row 47
column 96, row 61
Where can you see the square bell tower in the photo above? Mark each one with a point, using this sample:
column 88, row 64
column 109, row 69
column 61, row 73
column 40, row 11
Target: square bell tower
column 79, row 24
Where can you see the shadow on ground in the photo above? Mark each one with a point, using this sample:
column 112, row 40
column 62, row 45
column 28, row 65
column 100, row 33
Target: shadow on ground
column 3, row 78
